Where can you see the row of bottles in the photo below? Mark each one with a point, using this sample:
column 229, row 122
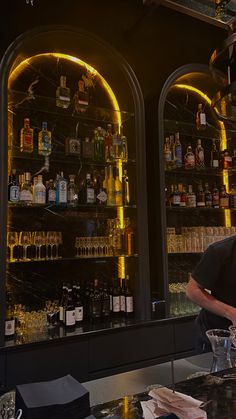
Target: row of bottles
column 105, row 145
column 184, row 196
column 91, row 190
column 96, row 301
column 80, row 99
column 195, row 158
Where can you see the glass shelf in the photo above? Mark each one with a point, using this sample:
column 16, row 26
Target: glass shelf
column 183, row 209
column 96, row 259
column 21, row 101
column 80, row 207
column 208, row 171
column 189, row 129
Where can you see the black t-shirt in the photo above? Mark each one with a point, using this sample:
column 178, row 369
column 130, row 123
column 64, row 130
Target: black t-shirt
column 216, row 272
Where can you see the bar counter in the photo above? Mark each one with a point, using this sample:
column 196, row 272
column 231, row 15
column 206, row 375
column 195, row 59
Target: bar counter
column 219, row 398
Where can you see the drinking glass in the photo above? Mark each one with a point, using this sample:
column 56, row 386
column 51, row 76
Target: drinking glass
column 39, row 240
column 25, row 240
column 51, row 308
column 58, row 242
column 50, row 242
column 12, row 241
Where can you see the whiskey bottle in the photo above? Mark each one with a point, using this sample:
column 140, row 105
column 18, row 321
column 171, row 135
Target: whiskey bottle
column 191, row 198
column 200, row 118
column 87, row 149
column 90, row 192
column 178, row 151
column 189, row 158
column 125, row 183
column 214, row 156
column 176, row 197
column 200, row 196
column 227, row 160
column 63, row 94
column 81, row 98
column 199, row 153
column 72, row 192
column 215, row 197
column 128, row 238
column 39, row 191
column 13, row 188
column 224, row 198
column 44, row 141
column 26, row 192
column 183, row 196
column 208, row 196
column 26, row 137
column 51, row 193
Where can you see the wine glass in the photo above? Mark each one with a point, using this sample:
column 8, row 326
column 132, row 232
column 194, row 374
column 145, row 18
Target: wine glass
column 12, row 241
column 50, row 242
column 39, row 240
column 51, row 308
column 25, row 240
column 58, row 242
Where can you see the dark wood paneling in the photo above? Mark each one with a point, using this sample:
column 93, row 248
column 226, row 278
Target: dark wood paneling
column 47, row 362
column 130, row 346
column 184, row 335
column 2, row 371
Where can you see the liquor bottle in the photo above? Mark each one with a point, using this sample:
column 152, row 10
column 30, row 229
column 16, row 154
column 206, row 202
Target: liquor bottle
column 129, row 298
column 101, row 193
column 61, row 190
column 13, row 188
column 215, row 158
column 87, row 149
column 124, row 153
column 26, row 191
column 183, row 195
column 191, row 198
column 63, row 94
column 99, row 145
column 70, row 310
column 189, row 158
column 9, row 318
column 81, row 98
column 128, row 238
column 200, row 196
column 208, row 196
column 167, row 154
column 178, row 151
column 108, row 143
column 116, row 292
column 89, row 188
column 62, row 304
column 125, row 186
column 51, row 192
column 215, row 197
column 26, row 137
column 35, row 181
column 226, row 160
column 40, row 191
column 111, row 200
column 199, row 153
column 72, row 192
column 95, row 298
column 172, row 148
column 176, row 197
column 234, row 160
column 116, row 150
column 118, row 188
column 122, row 297
column 45, row 140
column 106, row 311
column 224, row 198
column 200, row 118
column 232, row 196
column 79, row 309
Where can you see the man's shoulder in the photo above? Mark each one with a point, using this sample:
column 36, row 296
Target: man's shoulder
column 225, row 245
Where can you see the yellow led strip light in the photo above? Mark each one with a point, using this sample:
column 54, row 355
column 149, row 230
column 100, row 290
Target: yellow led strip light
column 223, row 142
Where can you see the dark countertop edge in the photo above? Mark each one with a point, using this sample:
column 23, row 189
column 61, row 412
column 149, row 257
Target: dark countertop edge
column 135, row 324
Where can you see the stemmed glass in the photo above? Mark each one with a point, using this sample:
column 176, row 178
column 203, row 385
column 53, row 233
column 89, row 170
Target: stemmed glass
column 58, row 242
column 50, row 242
column 51, row 308
column 25, row 240
column 12, row 241
column 38, row 241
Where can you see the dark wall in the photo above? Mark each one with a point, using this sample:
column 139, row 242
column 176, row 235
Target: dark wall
column 155, row 41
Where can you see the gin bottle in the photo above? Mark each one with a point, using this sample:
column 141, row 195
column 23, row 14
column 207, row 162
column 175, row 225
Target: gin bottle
column 63, row 94
column 14, row 189
column 44, row 141
column 61, row 192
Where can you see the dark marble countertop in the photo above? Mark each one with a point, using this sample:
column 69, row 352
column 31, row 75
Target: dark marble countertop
column 219, row 398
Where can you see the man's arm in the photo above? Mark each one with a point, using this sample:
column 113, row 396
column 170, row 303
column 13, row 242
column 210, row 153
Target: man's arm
column 201, row 297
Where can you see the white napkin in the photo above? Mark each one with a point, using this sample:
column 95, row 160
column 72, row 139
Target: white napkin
column 165, row 401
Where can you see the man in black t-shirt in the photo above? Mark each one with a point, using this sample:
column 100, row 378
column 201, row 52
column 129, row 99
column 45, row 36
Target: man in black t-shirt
column 216, row 272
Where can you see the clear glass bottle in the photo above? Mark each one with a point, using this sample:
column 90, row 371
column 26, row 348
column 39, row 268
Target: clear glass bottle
column 45, row 140
column 26, row 137
column 215, row 158
column 199, row 156
column 61, row 190
column 200, row 118
column 191, row 198
column 189, row 158
column 26, row 192
column 63, row 94
column 39, row 191
column 72, row 192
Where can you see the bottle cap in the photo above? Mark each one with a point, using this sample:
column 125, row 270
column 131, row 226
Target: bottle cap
column 44, row 125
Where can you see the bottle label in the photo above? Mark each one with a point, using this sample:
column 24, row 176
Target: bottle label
column 79, row 314
column 202, row 118
column 122, row 303
column 51, row 195
column 40, row 197
column 62, row 192
column 168, row 156
column 116, row 304
column 224, row 202
column 176, row 199
column 191, row 201
column 190, row 160
column 129, row 304
column 14, row 193
column 27, row 140
column 102, row 196
column 9, row 327
column 90, row 196
column 70, row 317
column 178, row 156
column 61, row 314
column 46, row 143
column 215, row 163
column 26, row 196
